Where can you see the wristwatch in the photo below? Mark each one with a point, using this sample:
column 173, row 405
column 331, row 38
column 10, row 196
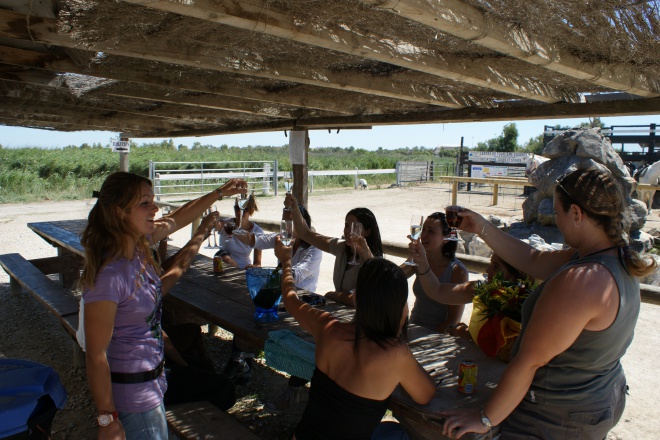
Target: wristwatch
column 105, row 418
column 485, row 420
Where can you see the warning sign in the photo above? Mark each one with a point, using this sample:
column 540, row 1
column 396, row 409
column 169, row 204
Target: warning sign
column 121, row 147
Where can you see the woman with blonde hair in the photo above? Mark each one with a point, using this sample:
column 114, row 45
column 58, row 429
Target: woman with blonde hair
column 122, row 294
column 565, row 377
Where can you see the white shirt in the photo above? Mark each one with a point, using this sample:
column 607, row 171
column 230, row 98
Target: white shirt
column 306, row 263
column 239, row 252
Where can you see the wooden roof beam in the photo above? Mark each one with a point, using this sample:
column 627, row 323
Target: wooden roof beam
column 457, row 18
column 181, row 113
column 166, row 78
column 44, row 30
column 262, row 16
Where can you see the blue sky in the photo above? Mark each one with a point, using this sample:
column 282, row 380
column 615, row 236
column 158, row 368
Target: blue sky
column 390, row 137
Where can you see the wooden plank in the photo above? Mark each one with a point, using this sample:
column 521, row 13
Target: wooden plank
column 204, row 421
column 464, row 21
column 59, row 237
column 60, row 264
column 57, row 300
column 269, row 19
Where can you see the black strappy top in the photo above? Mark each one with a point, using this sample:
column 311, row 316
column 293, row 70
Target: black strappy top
column 333, row 413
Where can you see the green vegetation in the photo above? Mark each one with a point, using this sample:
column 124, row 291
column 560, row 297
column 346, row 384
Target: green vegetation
column 71, row 173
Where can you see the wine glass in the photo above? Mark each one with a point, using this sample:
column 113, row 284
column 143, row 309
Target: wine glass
column 356, row 231
column 454, row 220
column 416, row 224
column 286, row 232
column 230, row 225
column 288, row 184
column 242, row 201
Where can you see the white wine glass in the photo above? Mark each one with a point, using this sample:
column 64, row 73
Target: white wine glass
column 416, row 225
column 242, row 201
column 454, row 220
column 356, row 231
column 288, row 184
column 286, row 232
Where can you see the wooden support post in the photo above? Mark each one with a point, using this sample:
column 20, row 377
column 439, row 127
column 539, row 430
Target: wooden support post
column 454, row 192
column 496, row 188
column 300, row 175
column 123, row 156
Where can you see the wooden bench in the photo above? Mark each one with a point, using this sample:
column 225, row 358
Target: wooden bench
column 31, row 276
column 204, row 421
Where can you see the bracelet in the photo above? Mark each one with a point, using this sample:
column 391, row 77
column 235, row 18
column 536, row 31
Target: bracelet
column 218, row 190
column 427, row 271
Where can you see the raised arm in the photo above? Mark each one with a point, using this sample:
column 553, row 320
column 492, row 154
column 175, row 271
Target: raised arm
column 175, row 266
column 522, row 256
column 311, row 319
column 195, row 208
column 315, row 239
column 458, row 293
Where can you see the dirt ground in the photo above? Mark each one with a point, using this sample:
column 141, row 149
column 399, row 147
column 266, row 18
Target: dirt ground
column 29, row 332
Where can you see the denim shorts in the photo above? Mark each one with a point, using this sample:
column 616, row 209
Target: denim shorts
column 147, row 425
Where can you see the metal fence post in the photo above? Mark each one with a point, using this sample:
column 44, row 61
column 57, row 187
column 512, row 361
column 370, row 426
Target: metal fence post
column 265, row 179
column 275, row 178
column 398, row 174
column 356, row 178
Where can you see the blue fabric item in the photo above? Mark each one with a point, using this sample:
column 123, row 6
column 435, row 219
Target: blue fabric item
column 22, row 383
column 287, row 352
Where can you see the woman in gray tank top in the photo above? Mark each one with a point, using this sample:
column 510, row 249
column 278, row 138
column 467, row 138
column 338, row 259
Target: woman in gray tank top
column 565, row 379
column 445, row 267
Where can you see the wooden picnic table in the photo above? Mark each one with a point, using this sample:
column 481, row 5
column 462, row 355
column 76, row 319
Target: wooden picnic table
column 223, row 299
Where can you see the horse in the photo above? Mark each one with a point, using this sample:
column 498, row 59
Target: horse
column 532, row 162
column 649, row 176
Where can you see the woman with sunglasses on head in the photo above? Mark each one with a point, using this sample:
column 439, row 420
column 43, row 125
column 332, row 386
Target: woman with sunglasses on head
column 121, row 304
column 565, row 378
column 358, row 363
column 442, row 263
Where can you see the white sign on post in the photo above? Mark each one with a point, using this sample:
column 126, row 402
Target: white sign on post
column 121, row 147
column 297, row 146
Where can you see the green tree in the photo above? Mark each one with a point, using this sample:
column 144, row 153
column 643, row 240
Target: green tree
column 534, row 145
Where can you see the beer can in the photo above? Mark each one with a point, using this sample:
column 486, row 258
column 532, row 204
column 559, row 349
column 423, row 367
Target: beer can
column 217, row 264
column 467, row 377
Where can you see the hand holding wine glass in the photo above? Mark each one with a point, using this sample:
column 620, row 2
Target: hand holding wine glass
column 286, row 232
column 356, row 231
column 416, row 224
column 454, row 220
column 242, row 201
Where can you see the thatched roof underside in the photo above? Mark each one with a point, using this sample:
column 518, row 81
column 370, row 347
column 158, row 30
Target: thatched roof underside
column 169, row 68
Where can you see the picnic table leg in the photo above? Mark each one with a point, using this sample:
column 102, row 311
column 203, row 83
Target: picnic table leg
column 78, row 356
column 14, row 286
column 68, row 278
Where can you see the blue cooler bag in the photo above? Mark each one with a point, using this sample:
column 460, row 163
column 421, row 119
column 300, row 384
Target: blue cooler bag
column 30, row 394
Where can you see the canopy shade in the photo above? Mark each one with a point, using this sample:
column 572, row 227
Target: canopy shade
column 172, row 68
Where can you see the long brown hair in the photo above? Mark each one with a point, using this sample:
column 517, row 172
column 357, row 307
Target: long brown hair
column 601, row 198
column 104, row 237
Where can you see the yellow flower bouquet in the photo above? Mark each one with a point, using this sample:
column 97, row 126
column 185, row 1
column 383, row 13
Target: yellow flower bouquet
column 496, row 314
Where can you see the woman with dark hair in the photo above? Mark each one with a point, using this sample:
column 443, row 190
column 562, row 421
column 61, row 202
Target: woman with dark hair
column 368, row 245
column 122, row 300
column 358, row 363
column 442, row 262
column 565, row 378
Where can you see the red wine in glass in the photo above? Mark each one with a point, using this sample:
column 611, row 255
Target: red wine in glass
column 454, row 220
